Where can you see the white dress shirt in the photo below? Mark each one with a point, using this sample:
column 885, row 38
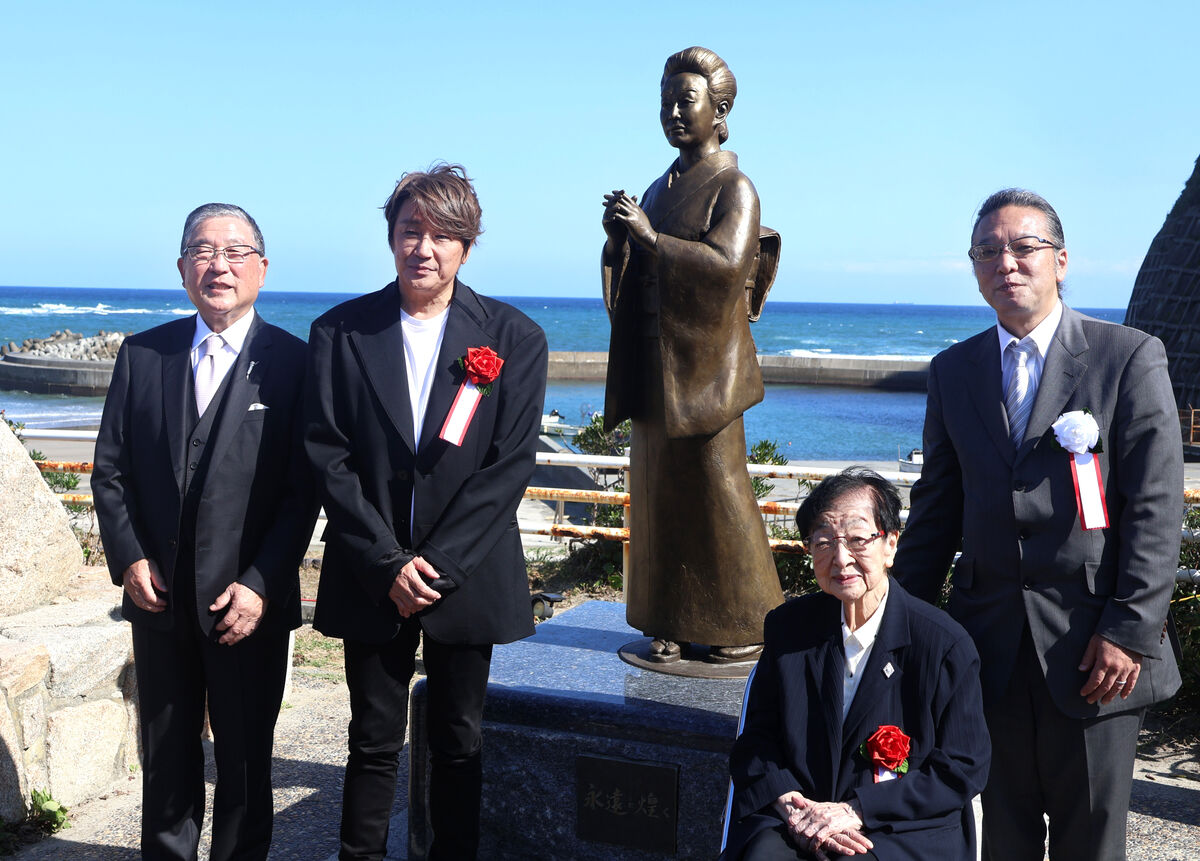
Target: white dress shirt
column 1041, row 337
column 857, row 645
column 234, row 340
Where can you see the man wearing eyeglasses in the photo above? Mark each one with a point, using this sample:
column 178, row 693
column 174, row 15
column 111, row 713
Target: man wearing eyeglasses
column 1053, row 456
column 206, row 507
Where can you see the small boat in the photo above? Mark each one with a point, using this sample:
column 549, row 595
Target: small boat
column 553, row 425
column 913, row 462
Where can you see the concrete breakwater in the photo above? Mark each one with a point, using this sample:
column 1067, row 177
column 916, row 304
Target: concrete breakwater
column 857, row 371
column 52, row 368
column 66, row 363
column 66, row 344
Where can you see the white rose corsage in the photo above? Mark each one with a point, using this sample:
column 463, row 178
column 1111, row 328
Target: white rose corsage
column 1078, row 434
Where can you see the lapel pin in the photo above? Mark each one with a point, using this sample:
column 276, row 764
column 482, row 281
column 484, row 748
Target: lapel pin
column 888, row 669
column 249, row 369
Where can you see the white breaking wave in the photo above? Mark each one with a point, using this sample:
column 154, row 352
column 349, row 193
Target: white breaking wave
column 46, row 309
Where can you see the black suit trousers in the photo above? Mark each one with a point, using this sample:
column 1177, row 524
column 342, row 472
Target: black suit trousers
column 177, row 672
column 378, row 676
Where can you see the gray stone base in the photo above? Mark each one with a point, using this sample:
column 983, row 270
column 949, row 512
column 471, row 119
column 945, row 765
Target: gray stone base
column 562, row 703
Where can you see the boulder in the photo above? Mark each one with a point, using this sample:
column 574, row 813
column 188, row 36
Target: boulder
column 39, row 552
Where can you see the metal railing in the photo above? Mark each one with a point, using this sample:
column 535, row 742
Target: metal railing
column 560, row 529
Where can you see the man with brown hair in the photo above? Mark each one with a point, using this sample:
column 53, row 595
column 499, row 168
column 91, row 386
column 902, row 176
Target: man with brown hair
column 424, row 406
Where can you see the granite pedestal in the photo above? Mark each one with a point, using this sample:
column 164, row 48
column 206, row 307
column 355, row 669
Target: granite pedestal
column 587, row 757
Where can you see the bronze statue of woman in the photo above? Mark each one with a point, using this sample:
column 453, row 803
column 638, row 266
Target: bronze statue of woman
column 678, row 272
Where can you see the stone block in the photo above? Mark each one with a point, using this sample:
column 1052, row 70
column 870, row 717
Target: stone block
column 22, row 665
column 84, row 749
column 133, row 741
column 563, row 699
column 39, row 552
column 32, row 710
column 14, row 788
column 86, row 647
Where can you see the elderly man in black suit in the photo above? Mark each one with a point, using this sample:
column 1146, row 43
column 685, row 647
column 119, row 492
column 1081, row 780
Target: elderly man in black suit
column 1053, row 456
column 206, row 507
column 424, row 406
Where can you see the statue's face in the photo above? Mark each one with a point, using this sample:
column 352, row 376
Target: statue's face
column 687, row 113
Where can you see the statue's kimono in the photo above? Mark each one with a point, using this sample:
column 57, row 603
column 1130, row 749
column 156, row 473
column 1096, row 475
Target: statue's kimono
column 682, row 365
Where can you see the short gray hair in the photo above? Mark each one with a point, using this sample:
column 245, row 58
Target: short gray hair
column 201, row 214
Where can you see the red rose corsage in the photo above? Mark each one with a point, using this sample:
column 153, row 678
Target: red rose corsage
column 482, row 367
column 887, row 751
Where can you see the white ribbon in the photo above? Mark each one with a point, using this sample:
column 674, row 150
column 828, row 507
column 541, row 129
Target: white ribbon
column 461, row 413
column 1089, row 493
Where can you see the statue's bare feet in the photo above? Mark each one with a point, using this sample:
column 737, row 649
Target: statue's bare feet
column 664, row 651
column 734, row 654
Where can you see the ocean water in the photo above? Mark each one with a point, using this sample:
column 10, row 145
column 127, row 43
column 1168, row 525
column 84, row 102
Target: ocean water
column 807, row 422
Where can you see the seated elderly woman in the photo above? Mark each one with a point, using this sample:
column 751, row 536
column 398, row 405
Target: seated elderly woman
column 864, row 732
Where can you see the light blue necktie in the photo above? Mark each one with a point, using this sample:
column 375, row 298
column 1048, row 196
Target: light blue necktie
column 1022, row 388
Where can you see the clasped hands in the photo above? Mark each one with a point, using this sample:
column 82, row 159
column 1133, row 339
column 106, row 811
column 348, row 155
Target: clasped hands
column 817, row 826
column 409, row 591
column 623, row 216
column 244, row 608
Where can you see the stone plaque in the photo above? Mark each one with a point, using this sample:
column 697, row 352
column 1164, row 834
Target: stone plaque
column 627, row 802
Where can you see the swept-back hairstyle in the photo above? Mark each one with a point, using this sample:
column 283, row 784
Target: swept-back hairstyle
column 1029, row 200
column 722, row 86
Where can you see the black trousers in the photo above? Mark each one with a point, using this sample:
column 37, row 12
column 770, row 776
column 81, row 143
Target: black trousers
column 378, row 676
column 1078, row 772
column 177, row 672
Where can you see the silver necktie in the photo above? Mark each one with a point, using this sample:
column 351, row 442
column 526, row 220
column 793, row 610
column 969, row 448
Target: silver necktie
column 207, row 379
column 1022, row 388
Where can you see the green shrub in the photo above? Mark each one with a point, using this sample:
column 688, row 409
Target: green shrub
column 764, row 451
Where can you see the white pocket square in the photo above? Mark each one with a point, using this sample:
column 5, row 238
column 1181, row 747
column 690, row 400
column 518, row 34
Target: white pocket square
column 257, row 406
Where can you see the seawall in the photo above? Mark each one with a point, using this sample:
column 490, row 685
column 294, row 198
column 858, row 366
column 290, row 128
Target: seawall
column 43, row 375
column 858, row 371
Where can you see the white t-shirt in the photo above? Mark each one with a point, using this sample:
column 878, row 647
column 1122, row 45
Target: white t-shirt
column 422, row 344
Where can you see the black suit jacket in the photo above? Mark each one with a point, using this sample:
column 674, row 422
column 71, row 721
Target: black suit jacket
column 1025, row 557
column 794, row 737
column 256, row 514
column 359, row 436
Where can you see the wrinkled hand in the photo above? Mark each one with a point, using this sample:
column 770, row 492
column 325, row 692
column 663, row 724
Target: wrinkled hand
column 828, row 825
column 246, row 609
column 1111, row 670
column 789, row 803
column 141, row 581
column 410, row 593
column 622, row 211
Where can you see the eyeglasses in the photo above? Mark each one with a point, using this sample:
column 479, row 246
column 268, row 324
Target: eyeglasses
column 1020, row 247
column 856, row 544
column 202, row 255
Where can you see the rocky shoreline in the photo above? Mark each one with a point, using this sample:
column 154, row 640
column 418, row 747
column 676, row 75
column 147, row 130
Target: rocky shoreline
column 65, row 344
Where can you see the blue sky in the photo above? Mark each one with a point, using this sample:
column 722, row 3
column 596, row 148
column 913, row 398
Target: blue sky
column 872, row 131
